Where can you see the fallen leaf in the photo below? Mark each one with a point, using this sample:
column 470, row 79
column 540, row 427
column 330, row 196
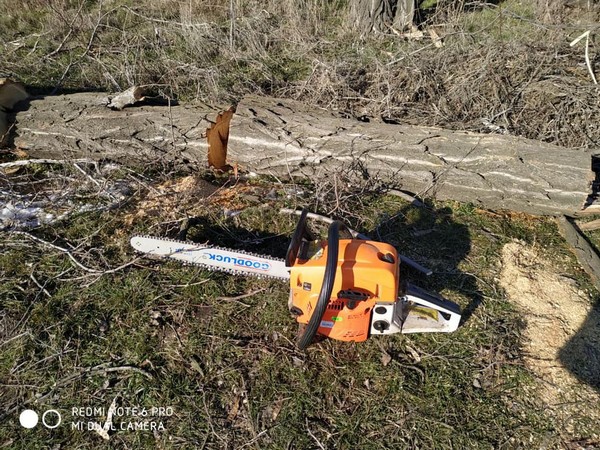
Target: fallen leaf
column 195, row 364
column 386, row 359
column 435, row 37
column 277, row 406
column 103, row 430
column 234, row 410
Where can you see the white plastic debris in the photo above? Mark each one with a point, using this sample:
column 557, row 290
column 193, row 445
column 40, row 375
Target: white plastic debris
column 21, row 215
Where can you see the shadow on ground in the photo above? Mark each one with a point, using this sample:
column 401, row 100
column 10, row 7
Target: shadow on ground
column 435, row 240
column 581, row 354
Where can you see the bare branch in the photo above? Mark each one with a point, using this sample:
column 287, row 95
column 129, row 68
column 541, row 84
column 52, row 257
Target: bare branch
column 56, row 247
column 25, row 162
column 588, row 63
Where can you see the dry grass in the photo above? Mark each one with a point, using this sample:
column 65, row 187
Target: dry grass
column 503, row 68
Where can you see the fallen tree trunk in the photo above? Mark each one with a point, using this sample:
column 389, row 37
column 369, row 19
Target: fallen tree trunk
column 82, row 125
column 284, row 137
column 584, row 251
column 491, row 170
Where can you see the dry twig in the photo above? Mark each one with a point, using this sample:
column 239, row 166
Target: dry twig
column 74, row 260
column 25, row 162
column 409, row 198
column 588, row 63
column 239, row 297
column 100, row 369
column 311, row 434
column 56, row 247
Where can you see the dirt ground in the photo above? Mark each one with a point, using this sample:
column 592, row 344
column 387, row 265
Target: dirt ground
column 561, row 335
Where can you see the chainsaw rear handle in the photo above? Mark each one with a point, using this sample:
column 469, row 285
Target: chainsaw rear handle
column 333, row 247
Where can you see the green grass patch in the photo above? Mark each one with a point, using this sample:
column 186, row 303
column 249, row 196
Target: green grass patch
column 227, row 365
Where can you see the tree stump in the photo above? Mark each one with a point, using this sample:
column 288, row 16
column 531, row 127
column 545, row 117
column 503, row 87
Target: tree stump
column 379, row 16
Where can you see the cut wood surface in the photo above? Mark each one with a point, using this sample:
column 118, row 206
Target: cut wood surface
column 285, row 137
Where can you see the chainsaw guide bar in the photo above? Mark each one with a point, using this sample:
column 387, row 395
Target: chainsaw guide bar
column 237, row 262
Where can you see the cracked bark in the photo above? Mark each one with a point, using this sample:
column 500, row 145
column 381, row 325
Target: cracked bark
column 492, row 171
column 80, row 125
column 284, row 137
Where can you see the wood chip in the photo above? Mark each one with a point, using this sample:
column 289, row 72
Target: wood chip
column 131, row 96
column 437, row 40
column 386, row 359
column 217, row 136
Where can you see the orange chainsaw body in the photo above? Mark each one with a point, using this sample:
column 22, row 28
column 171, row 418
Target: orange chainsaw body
column 367, row 273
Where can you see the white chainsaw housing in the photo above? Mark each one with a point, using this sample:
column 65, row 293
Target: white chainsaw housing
column 416, row 312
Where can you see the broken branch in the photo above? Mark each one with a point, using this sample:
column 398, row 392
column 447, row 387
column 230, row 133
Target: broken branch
column 585, row 253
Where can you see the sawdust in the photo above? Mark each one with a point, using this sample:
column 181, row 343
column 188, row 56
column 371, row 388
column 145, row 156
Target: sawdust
column 187, row 196
column 165, row 199
column 562, row 332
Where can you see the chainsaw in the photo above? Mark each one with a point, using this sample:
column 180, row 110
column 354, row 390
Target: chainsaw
column 342, row 288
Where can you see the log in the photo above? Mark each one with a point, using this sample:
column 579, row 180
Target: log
column 492, row 171
column 82, row 125
column 287, row 138
column 584, row 252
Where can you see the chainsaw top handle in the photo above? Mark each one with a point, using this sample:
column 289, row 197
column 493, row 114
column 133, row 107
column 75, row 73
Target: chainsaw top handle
column 333, row 241
column 301, row 232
